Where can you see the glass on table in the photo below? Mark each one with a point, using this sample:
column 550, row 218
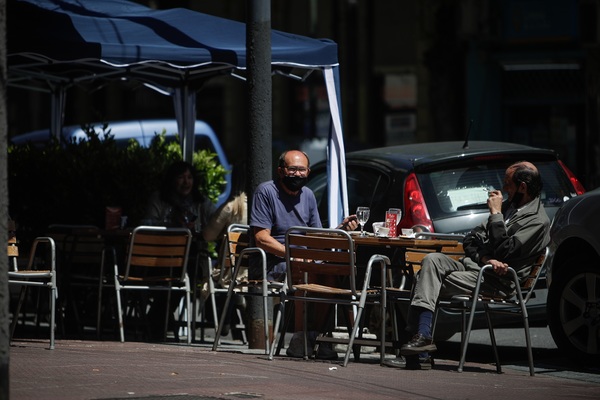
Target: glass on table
column 392, row 218
column 362, row 214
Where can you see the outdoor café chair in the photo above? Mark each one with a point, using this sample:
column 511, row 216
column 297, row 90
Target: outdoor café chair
column 237, row 254
column 39, row 272
column 85, row 259
column 515, row 304
column 311, row 253
column 220, row 277
column 157, row 259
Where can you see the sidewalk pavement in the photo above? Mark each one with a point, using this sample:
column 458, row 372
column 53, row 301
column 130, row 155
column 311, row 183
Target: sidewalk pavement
column 155, row 371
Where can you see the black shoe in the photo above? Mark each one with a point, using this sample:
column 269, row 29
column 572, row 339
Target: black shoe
column 411, row 363
column 296, row 347
column 418, row 344
column 326, row 352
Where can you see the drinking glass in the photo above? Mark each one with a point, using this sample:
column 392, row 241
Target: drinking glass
column 190, row 218
column 362, row 214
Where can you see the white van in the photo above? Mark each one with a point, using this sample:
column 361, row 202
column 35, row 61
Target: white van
column 141, row 130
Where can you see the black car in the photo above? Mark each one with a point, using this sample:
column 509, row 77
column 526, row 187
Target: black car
column 573, row 275
column 442, row 187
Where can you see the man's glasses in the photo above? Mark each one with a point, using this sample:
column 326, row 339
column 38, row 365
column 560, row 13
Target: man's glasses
column 293, row 170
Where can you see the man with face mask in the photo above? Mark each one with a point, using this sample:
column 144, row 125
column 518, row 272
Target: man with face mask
column 515, row 234
column 280, row 204
column 277, row 206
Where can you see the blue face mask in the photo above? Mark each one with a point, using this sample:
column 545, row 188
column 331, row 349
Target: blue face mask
column 294, row 183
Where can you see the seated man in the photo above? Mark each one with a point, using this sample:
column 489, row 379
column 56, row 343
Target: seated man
column 277, row 206
column 514, row 235
column 280, row 204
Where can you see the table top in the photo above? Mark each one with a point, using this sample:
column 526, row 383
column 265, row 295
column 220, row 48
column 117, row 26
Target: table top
column 402, row 241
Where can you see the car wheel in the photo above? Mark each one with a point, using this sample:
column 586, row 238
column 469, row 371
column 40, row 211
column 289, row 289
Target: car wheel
column 574, row 309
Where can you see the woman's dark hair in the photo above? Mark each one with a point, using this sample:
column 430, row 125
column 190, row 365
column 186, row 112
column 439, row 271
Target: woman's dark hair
column 530, row 177
column 168, row 184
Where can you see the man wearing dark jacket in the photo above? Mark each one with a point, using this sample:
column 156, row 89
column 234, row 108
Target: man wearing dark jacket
column 514, row 235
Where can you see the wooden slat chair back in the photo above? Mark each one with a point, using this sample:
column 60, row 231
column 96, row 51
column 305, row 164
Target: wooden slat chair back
column 83, row 251
column 413, row 259
column 157, row 259
column 314, row 252
column 515, row 304
column 238, row 239
column 157, row 254
column 237, row 254
column 63, row 235
column 311, row 256
column 529, row 283
column 401, row 277
column 87, row 261
column 456, row 251
column 12, row 248
column 37, row 274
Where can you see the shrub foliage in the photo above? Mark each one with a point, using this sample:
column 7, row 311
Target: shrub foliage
column 73, row 183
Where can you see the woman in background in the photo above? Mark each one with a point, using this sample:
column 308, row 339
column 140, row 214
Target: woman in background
column 179, row 201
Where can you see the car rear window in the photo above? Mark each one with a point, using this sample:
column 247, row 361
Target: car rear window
column 366, row 187
column 463, row 190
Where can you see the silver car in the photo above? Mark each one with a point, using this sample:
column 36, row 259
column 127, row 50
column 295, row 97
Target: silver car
column 573, row 277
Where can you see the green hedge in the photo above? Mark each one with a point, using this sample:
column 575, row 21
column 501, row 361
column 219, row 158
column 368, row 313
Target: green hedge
column 73, row 184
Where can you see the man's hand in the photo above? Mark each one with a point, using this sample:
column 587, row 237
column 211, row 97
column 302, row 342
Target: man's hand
column 499, row 267
column 495, row 201
column 349, row 223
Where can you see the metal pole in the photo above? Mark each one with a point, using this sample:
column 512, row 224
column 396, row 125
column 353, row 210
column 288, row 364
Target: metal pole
column 258, row 51
column 4, row 292
column 57, row 111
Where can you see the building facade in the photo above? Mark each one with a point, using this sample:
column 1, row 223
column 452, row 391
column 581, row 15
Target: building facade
column 411, row 71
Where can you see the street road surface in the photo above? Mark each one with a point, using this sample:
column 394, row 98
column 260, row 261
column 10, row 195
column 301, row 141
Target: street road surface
column 547, row 359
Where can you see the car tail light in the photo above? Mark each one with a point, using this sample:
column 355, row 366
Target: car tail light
column 579, row 189
column 415, row 210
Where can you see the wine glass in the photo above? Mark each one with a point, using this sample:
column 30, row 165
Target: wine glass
column 362, row 214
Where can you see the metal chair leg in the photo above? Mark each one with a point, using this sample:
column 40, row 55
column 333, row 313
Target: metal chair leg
column 467, row 335
column 53, row 296
column 225, row 308
column 493, row 339
column 190, row 311
column 277, row 336
column 17, row 311
column 120, row 312
column 528, row 342
column 265, row 300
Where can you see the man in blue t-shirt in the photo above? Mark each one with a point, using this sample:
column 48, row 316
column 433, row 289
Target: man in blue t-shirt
column 280, row 204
